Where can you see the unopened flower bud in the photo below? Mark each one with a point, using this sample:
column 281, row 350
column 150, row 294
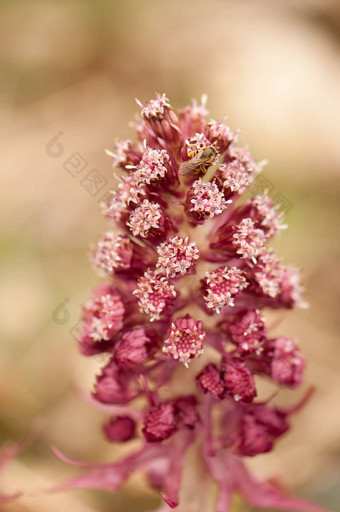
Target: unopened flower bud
column 120, row 429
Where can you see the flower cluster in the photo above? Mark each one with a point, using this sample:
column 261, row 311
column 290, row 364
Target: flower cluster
column 190, row 273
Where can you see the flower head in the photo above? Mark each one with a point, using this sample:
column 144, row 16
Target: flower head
column 247, row 330
column 204, row 201
column 135, row 347
column 287, row 363
column 120, row 429
column 258, row 429
column 190, row 273
column 124, row 153
column 222, row 286
column 155, row 108
column 159, row 122
column 154, row 294
column 112, row 253
column 160, row 422
column 103, row 317
column 185, row 340
column 177, row 256
column 238, row 380
column 210, row 381
column 220, row 134
column 195, row 143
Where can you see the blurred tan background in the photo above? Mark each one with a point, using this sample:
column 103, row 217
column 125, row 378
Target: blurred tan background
column 72, row 69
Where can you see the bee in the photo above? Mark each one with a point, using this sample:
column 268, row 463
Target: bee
column 199, row 162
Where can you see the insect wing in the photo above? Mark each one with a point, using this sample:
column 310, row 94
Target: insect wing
column 190, row 165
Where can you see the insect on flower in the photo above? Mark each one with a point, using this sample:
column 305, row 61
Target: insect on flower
column 200, row 162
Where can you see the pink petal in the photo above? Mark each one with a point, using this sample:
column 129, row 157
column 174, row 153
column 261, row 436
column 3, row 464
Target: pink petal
column 224, row 479
column 208, row 447
column 7, row 455
column 178, row 449
column 215, row 463
column 115, row 410
column 9, row 452
column 260, row 495
column 108, row 476
column 5, row 498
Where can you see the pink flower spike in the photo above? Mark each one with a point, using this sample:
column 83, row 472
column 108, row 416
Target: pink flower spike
column 183, row 249
column 177, row 256
column 221, row 287
column 154, row 294
column 185, row 340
